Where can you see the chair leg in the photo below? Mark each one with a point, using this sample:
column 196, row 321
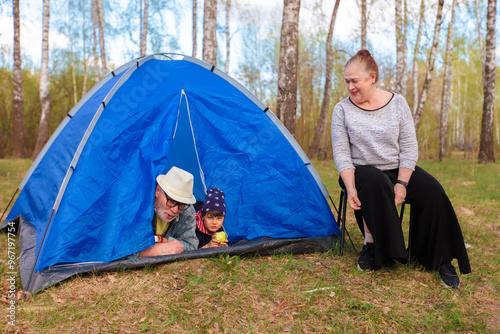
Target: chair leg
column 341, row 219
column 401, row 216
column 409, row 239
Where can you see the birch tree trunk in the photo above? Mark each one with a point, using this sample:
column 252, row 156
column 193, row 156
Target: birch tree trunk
column 195, row 21
column 85, row 75
column 73, row 73
column 486, row 152
column 140, row 27
column 100, row 20
column 287, row 72
column 85, row 63
column 445, row 98
column 94, row 27
column 430, row 68
column 481, row 45
column 400, row 51
column 144, row 27
column 72, row 48
column 363, row 24
column 210, row 32
column 405, row 49
column 414, row 73
column 17, row 107
column 320, row 127
column 228, row 37
column 43, row 129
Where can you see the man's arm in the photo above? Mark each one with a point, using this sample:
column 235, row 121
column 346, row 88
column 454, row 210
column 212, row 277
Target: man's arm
column 163, row 248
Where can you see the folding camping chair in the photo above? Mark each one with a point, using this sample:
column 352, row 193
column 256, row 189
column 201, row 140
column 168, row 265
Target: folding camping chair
column 341, row 220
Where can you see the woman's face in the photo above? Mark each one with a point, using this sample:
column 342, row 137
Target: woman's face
column 358, row 82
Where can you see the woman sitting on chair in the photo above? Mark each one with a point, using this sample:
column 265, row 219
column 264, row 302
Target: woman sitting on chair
column 375, row 151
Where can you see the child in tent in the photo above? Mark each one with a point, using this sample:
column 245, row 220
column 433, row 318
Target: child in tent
column 210, row 218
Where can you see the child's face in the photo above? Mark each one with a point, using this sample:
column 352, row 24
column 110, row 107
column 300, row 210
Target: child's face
column 212, row 223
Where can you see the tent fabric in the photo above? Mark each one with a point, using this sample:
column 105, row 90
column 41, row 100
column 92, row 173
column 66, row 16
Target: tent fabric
column 57, row 273
column 90, row 197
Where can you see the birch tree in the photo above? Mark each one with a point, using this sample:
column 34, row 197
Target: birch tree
column 100, row 21
column 84, row 52
column 94, row 49
column 400, row 49
column 43, row 129
column 481, row 44
column 17, row 107
column 364, row 19
column 210, row 32
column 414, row 73
column 287, row 72
column 445, row 98
column 430, row 68
column 486, row 152
column 228, row 37
column 195, row 20
column 320, row 127
column 144, row 26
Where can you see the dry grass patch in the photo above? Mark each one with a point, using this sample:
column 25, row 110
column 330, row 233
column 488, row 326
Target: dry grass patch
column 310, row 293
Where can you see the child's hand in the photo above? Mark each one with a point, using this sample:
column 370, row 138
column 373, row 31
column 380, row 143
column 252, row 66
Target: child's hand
column 215, row 243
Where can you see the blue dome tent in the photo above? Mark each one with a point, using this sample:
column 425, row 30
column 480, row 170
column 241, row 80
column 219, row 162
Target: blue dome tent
column 87, row 200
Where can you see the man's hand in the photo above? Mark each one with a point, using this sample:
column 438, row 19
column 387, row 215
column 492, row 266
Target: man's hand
column 399, row 193
column 163, row 248
column 215, row 243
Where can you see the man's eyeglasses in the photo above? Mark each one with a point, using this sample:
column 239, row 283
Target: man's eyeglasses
column 172, row 203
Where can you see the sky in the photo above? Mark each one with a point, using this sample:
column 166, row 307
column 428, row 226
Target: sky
column 380, row 33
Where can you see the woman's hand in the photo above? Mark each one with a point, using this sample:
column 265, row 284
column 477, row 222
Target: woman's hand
column 352, row 193
column 399, row 193
column 353, row 200
column 404, row 175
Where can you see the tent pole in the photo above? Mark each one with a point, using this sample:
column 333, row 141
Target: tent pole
column 9, row 204
column 39, row 249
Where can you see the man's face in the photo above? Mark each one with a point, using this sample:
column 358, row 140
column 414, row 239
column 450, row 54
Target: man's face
column 163, row 210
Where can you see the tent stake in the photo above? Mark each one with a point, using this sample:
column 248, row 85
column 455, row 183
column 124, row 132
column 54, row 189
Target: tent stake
column 9, row 204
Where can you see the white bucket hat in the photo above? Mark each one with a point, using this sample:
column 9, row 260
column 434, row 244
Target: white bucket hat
column 178, row 184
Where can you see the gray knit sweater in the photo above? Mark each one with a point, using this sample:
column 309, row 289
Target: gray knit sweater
column 384, row 138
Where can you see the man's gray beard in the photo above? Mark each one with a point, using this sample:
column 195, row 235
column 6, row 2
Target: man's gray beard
column 160, row 214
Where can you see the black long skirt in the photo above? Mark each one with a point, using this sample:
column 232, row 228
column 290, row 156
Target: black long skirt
column 435, row 235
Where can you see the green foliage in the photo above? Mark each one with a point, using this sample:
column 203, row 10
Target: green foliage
column 6, row 101
column 31, row 110
column 258, row 66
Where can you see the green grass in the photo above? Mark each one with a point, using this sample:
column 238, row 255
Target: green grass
column 310, row 293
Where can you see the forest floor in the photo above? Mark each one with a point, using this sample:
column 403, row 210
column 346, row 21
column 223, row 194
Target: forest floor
column 309, row 293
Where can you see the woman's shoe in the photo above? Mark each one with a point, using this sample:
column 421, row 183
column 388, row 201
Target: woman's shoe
column 367, row 257
column 448, row 275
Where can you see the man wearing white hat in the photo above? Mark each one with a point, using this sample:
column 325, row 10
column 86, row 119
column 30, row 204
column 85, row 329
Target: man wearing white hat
column 174, row 222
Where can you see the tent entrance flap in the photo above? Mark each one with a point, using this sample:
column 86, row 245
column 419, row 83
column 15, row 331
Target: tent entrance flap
column 183, row 153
